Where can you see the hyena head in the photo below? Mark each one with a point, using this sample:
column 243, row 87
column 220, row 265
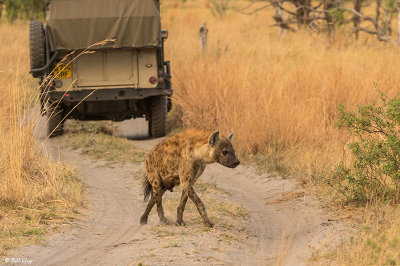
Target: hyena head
column 223, row 150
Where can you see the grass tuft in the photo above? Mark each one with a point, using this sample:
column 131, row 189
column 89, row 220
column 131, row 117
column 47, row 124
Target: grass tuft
column 37, row 195
column 97, row 140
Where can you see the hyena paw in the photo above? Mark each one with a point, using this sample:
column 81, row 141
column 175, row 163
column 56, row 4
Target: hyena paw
column 180, row 223
column 143, row 220
column 164, row 221
column 208, row 223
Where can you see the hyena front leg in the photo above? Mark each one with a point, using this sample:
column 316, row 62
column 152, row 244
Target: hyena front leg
column 188, row 174
column 199, row 205
column 181, row 207
column 189, row 191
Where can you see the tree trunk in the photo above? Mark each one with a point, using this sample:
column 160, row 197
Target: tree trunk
column 381, row 32
column 328, row 4
column 1, row 8
column 378, row 10
column 356, row 19
column 398, row 21
column 278, row 14
column 303, row 8
column 203, row 37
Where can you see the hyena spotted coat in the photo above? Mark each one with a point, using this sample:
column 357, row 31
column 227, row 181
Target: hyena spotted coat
column 180, row 160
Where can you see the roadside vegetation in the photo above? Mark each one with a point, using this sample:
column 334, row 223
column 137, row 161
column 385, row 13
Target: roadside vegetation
column 37, row 195
column 377, row 241
column 280, row 94
column 374, row 172
column 99, row 141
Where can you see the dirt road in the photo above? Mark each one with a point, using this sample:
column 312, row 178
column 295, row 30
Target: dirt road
column 259, row 219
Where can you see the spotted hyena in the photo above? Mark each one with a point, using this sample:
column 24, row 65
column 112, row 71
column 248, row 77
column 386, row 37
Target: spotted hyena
column 181, row 159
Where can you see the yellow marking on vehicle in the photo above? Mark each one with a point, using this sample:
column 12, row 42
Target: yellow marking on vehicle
column 63, row 71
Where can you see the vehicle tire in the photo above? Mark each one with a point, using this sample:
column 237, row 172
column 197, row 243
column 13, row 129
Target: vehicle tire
column 55, row 122
column 37, row 47
column 158, row 116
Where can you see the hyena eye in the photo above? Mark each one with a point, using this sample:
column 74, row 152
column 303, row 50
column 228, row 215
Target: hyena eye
column 224, row 153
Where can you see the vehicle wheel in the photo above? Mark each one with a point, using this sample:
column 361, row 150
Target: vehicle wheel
column 55, row 122
column 158, row 116
column 37, row 46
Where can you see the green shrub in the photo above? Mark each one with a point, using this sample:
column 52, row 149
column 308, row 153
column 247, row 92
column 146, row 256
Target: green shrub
column 24, row 9
column 219, row 7
column 339, row 15
column 375, row 171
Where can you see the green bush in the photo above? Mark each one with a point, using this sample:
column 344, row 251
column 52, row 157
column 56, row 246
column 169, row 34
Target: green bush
column 339, row 15
column 219, row 7
column 375, row 171
column 24, row 9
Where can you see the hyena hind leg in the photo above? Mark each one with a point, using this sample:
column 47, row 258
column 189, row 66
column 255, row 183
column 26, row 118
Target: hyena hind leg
column 145, row 216
column 160, row 210
column 153, row 187
column 181, row 209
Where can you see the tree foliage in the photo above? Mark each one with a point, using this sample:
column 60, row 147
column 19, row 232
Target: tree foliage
column 375, row 172
column 24, row 9
column 323, row 16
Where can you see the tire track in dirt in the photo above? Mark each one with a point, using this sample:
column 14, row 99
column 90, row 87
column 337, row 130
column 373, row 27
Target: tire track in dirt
column 286, row 230
column 111, row 219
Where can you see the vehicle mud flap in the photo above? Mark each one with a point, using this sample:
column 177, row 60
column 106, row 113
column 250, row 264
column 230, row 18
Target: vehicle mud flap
column 157, row 107
column 169, row 104
column 55, row 123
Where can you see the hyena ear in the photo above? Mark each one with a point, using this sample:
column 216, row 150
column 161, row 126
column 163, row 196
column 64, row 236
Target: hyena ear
column 214, row 137
column 230, row 136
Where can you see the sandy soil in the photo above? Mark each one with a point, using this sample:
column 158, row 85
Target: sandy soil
column 259, row 219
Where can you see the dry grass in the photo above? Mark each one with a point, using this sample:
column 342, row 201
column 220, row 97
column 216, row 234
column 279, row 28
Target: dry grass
column 280, row 95
column 378, row 241
column 36, row 194
column 99, row 142
column 276, row 93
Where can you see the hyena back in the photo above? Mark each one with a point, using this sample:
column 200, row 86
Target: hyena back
column 180, row 160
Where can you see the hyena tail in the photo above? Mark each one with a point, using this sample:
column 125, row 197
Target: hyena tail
column 147, row 189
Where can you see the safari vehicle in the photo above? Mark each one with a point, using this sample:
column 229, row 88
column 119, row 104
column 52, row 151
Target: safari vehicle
column 101, row 60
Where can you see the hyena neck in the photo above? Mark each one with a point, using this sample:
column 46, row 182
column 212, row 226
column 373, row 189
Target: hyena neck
column 204, row 153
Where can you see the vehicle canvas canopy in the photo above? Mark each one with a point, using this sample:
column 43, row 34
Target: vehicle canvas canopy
column 78, row 24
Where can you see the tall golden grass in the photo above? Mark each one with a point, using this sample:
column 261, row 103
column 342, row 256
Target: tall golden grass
column 35, row 192
column 279, row 94
column 275, row 92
